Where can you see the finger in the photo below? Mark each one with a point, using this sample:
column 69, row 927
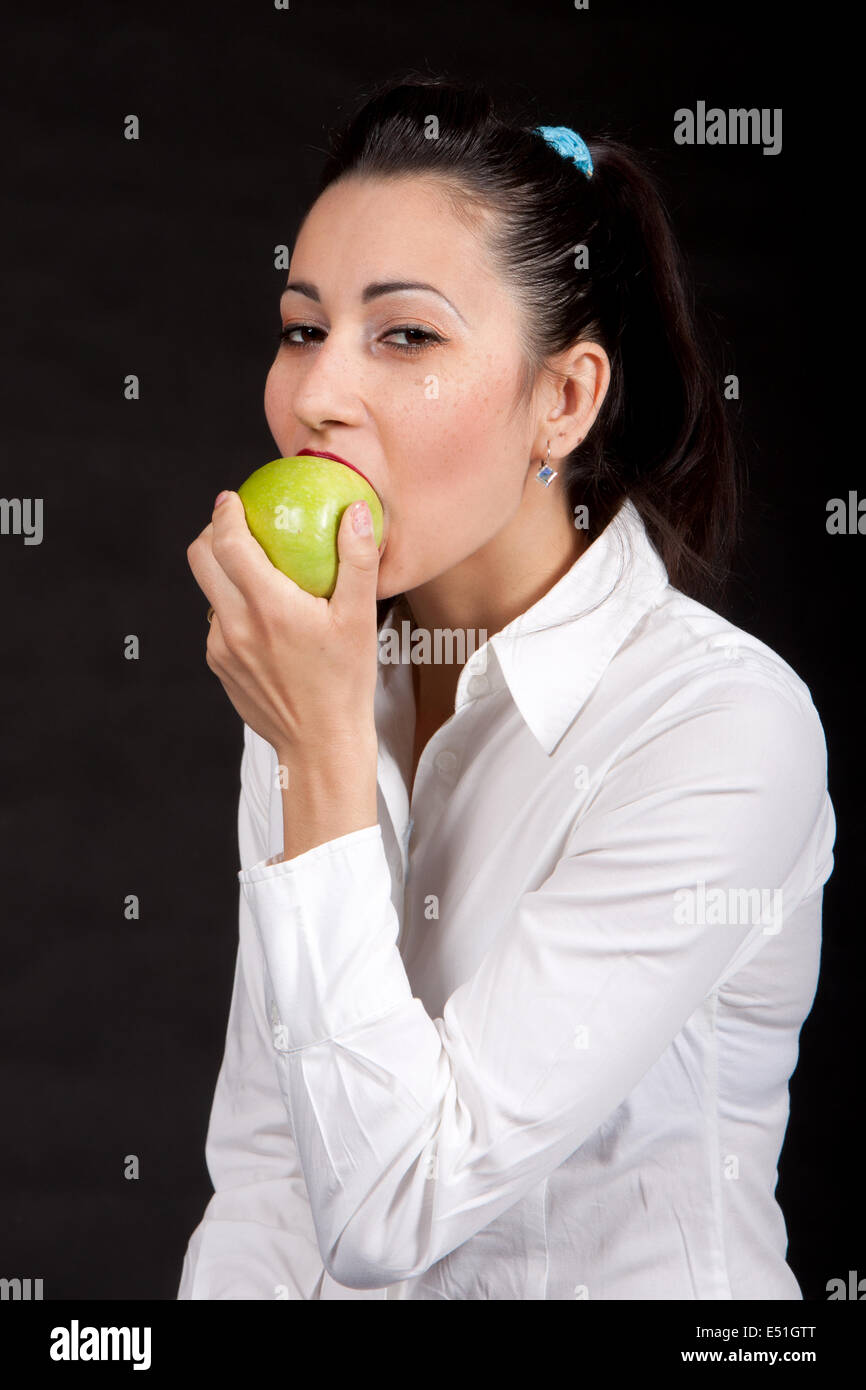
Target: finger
column 358, row 569
column 211, row 578
column 239, row 554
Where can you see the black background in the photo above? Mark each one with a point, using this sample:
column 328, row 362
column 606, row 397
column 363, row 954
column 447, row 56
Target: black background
column 155, row 257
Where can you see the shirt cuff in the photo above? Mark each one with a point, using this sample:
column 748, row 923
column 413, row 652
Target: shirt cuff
column 329, row 932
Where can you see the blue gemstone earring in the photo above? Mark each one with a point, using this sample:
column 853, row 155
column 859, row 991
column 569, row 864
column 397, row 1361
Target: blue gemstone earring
column 546, row 473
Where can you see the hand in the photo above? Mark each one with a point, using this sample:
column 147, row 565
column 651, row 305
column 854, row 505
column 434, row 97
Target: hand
column 299, row 670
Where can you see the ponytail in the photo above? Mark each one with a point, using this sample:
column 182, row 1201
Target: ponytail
column 662, row 436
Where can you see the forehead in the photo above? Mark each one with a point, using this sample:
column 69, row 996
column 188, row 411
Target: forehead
column 364, row 228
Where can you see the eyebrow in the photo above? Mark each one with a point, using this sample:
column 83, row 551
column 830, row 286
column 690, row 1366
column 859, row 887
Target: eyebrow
column 373, row 291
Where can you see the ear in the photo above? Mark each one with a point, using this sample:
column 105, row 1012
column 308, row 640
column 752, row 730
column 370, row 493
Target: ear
column 584, row 372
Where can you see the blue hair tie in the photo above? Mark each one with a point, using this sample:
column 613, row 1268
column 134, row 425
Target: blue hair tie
column 568, row 143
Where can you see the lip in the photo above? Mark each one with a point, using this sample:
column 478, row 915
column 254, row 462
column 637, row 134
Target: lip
column 323, row 454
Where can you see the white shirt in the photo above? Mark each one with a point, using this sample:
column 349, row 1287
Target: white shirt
column 531, row 1037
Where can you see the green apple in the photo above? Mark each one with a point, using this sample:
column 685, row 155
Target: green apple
column 293, row 508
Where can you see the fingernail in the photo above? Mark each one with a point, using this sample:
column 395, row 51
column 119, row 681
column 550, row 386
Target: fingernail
column 221, row 498
column 361, row 519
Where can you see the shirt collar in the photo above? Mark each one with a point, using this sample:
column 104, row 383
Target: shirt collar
column 554, row 653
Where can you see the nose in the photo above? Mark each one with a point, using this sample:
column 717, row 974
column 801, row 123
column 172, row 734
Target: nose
column 322, row 390
column 327, row 387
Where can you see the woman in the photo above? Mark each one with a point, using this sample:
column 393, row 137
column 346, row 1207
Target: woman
column 526, row 937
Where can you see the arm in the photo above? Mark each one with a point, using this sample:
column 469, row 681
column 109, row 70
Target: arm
column 256, row 1239
column 416, row 1133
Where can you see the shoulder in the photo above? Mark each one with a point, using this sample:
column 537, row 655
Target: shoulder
column 714, row 712
column 696, row 657
column 721, row 752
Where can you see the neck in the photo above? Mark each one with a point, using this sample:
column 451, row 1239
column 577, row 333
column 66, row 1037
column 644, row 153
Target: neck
column 491, row 587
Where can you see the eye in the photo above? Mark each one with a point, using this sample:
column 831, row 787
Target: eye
column 290, row 328
column 416, row 346
column 428, row 339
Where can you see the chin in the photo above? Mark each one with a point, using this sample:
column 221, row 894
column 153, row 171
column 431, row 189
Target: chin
column 389, row 583
column 398, row 575
column 386, row 587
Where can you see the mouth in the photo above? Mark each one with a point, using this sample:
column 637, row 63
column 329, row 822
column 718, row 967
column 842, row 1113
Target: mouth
column 322, row 454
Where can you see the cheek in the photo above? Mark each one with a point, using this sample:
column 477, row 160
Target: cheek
column 462, row 405
column 462, row 481
column 467, row 459
column 272, row 400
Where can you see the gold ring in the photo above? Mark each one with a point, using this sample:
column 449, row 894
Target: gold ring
column 210, row 614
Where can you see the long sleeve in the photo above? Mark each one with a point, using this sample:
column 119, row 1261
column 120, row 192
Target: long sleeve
column 256, row 1239
column 414, row 1133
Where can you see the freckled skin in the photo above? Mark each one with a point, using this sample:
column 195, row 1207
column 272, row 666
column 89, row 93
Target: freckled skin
column 470, row 535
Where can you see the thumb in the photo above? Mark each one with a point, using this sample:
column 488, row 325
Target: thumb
column 358, row 568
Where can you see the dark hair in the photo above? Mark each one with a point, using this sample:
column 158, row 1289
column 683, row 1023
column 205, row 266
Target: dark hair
column 662, row 436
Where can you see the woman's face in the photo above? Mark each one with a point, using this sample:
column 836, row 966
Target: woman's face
column 434, row 428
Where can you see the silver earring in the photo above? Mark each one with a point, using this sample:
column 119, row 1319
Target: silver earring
column 546, row 473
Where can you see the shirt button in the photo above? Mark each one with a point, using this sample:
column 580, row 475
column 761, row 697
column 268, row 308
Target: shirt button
column 478, row 685
column 445, row 762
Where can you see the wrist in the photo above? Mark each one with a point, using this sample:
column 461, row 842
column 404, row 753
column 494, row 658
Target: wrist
column 330, row 763
column 327, row 793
